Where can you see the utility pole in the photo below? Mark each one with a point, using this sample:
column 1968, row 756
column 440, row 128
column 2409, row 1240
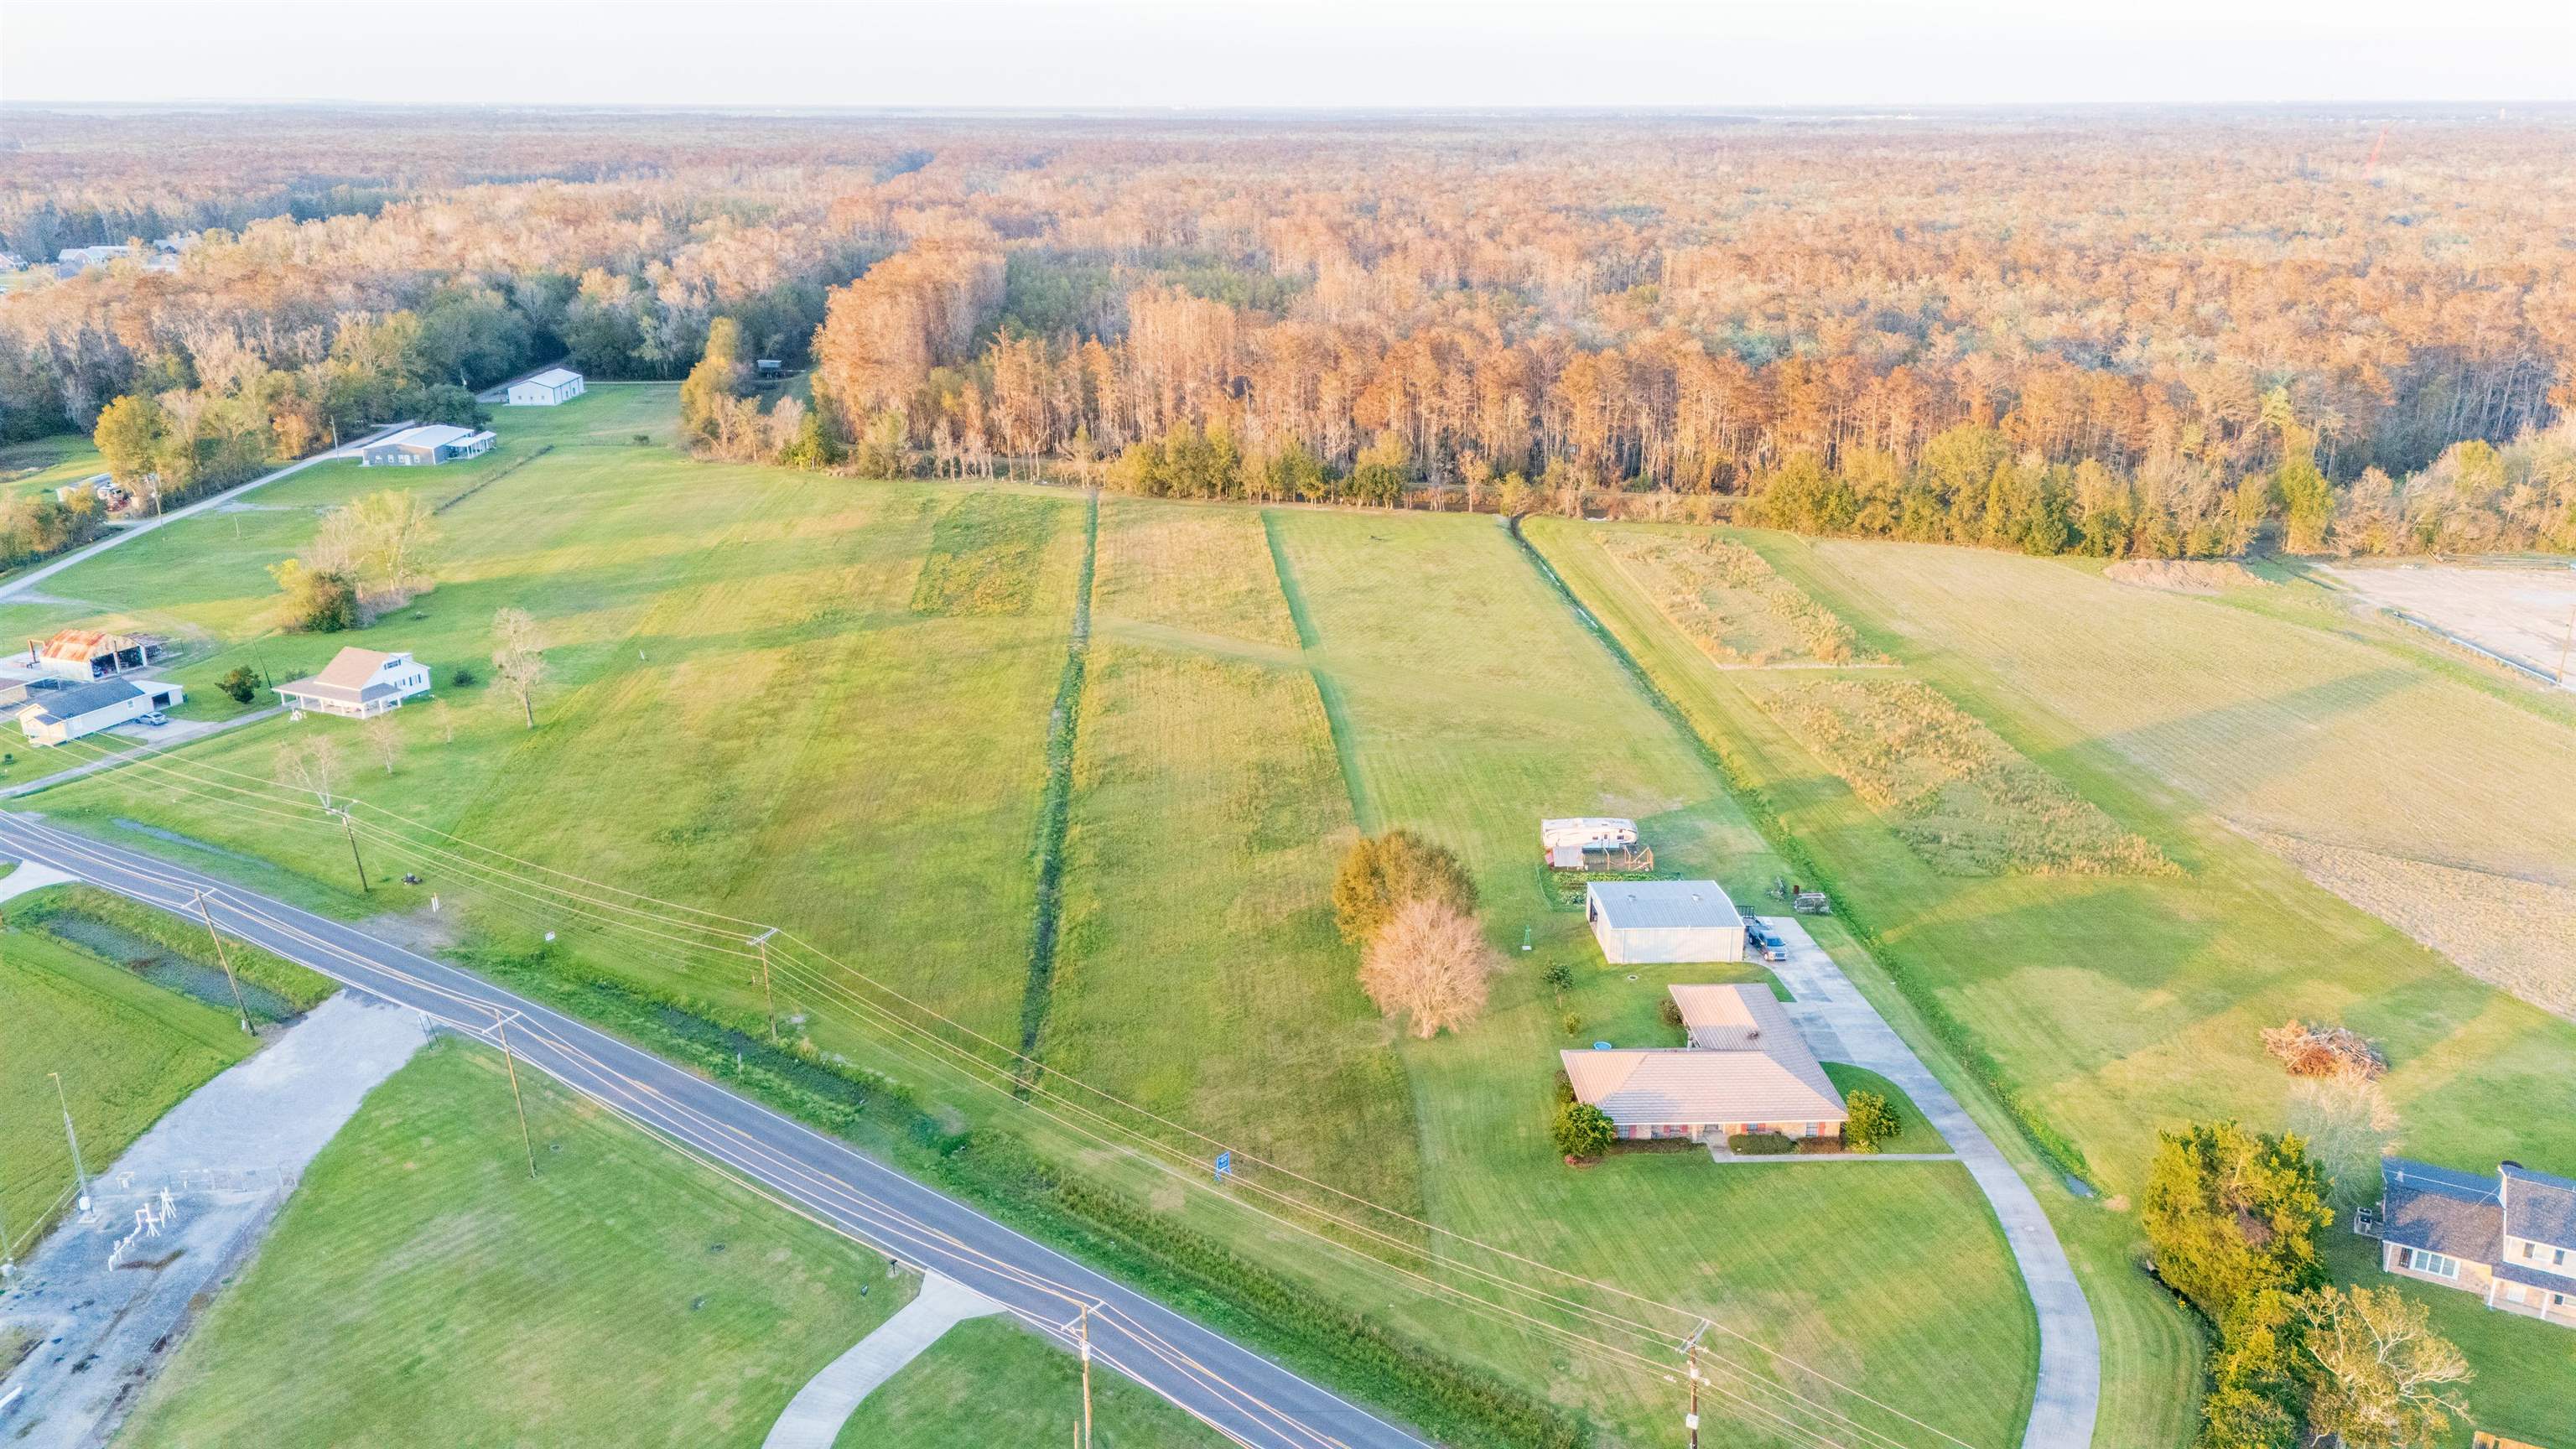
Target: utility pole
column 1690, row 1351
column 501, row 1023
column 2564, row 646
column 1083, row 1336
column 350, row 828
column 761, row 942
column 224, row 961
column 80, row 1174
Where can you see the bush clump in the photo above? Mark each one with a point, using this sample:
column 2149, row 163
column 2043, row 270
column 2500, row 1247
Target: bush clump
column 1873, row 1121
column 1379, row 874
column 1583, row 1130
column 1759, row 1144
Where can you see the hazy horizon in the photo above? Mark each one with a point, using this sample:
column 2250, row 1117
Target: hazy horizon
column 1122, row 57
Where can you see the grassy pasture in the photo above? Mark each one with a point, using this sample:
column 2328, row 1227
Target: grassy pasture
column 740, row 698
column 1949, row 788
column 985, row 553
column 420, row 1287
column 127, row 1051
column 990, row 1381
column 41, row 465
column 2116, row 1005
column 1475, row 703
column 1200, row 973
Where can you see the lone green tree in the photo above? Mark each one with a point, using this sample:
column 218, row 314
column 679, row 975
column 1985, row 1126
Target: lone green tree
column 1379, row 874
column 1873, row 1121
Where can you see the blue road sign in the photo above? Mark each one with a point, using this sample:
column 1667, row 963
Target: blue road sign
column 1224, row 1165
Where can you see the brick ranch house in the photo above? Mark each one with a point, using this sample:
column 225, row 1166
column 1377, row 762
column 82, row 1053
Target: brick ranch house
column 1746, row 1070
column 2510, row 1238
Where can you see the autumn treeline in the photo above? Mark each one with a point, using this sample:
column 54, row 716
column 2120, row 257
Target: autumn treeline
column 2127, row 334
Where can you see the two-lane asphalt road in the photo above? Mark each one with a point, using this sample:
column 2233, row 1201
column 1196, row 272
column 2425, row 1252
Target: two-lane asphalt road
column 1249, row 1399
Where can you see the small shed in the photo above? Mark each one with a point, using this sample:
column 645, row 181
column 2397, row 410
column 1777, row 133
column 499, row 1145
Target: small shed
column 554, row 386
column 425, row 446
column 1661, row 922
column 64, row 715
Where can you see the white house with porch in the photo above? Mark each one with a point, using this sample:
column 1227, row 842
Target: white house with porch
column 358, row 683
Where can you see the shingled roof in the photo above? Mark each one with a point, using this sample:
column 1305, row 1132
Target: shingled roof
column 1746, row 1063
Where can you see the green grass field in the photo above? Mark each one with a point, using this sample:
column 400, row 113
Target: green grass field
column 419, row 1287
column 127, row 1052
column 41, row 465
column 748, row 710
column 2115, row 1006
column 988, row 1381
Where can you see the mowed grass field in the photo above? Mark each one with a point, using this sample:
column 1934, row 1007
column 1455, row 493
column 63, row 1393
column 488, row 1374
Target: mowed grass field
column 41, row 465
column 2118, row 1005
column 1474, row 703
column 743, row 706
column 989, row 1381
column 127, row 1052
column 765, row 698
column 420, row 1288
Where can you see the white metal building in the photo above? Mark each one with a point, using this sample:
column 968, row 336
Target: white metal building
column 84, row 709
column 1663, row 921
column 358, row 683
column 425, row 446
column 552, row 386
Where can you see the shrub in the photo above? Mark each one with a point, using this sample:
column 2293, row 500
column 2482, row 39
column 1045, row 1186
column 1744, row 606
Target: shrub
column 1564, row 1087
column 241, row 684
column 1378, row 875
column 317, row 602
column 1583, row 1130
column 1759, row 1144
column 1872, row 1122
column 463, row 677
column 1572, row 1022
column 1559, row 977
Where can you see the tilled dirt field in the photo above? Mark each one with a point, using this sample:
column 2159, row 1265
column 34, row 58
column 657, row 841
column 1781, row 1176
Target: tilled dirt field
column 2520, row 613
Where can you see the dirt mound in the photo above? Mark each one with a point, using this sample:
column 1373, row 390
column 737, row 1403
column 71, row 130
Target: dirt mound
column 2182, row 575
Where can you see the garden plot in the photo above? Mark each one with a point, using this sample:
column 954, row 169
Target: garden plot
column 1729, row 601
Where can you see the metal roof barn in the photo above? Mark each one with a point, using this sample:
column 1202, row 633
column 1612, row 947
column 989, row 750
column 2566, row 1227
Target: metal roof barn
column 1646, row 922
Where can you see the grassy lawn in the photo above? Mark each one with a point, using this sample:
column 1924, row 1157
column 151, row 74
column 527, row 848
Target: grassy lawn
column 1913, row 1134
column 2116, row 1005
column 420, row 1287
column 1475, row 704
column 128, row 1051
column 991, row 1381
column 41, row 465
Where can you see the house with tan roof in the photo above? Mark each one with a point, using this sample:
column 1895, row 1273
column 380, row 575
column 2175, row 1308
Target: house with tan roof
column 358, row 683
column 1746, row 1069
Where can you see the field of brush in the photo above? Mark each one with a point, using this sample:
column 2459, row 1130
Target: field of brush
column 2110, row 1005
column 1730, row 602
column 803, row 700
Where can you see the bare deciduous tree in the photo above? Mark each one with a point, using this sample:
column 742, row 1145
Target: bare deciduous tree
column 518, row 659
column 310, row 763
column 383, row 740
column 2349, row 1126
column 2384, row 1376
column 1429, row 963
column 442, row 718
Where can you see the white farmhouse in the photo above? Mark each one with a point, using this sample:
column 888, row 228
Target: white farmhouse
column 358, row 683
column 62, row 715
column 1663, row 921
column 546, row 389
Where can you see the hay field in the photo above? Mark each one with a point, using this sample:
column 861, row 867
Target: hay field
column 420, row 1287
column 1730, row 602
column 985, row 555
column 1953, row 791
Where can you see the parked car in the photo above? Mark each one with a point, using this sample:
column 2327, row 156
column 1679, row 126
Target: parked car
column 1775, row 954
column 156, row 717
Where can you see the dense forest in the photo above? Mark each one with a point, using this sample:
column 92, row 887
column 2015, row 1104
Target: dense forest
column 2143, row 333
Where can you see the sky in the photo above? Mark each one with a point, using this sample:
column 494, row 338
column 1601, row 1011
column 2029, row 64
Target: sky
column 1319, row 54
